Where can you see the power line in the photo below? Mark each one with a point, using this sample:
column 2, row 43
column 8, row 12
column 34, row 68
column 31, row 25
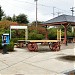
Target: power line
column 24, row 2
column 54, row 12
column 42, row 5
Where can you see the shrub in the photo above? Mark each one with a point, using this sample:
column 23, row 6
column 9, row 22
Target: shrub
column 40, row 37
column 69, row 34
column 39, row 30
column 10, row 46
column 15, row 40
column 1, row 44
column 34, row 36
column 52, row 33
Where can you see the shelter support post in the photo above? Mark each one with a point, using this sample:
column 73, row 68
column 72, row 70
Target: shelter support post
column 46, row 33
column 10, row 32
column 72, row 29
column 26, row 34
column 65, row 35
column 59, row 34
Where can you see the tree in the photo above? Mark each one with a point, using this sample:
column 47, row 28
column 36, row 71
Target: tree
column 39, row 29
column 52, row 33
column 1, row 13
column 14, row 18
column 69, row 28
column 8, row 18
column 22, row 18
column 34, row 23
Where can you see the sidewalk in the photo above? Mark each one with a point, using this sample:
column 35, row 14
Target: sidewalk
column 43, row 62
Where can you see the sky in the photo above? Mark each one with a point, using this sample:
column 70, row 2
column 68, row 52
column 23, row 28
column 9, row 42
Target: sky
column 44, row 8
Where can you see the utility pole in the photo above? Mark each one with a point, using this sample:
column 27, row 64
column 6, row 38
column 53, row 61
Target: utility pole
column 36, row 11
column 53, row 12
column 72, row 9
column 0, row 13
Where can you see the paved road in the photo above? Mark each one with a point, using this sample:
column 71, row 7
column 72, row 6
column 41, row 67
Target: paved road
column 43, row 62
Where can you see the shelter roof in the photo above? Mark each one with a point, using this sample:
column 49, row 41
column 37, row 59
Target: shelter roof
column 62, row 19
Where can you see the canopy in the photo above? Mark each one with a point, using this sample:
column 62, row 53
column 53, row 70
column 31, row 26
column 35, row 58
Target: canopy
column 64, row 20
column 60, row 20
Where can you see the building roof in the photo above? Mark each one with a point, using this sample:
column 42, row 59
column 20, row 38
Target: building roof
column 61, row 18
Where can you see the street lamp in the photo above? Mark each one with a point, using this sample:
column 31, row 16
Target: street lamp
column 36, row 11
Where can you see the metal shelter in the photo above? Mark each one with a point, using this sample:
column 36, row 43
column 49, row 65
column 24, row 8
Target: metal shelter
column 20, row 27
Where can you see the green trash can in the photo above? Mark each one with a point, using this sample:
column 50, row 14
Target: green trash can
column 5, row 51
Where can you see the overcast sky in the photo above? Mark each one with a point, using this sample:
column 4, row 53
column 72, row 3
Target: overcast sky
column 45, row 8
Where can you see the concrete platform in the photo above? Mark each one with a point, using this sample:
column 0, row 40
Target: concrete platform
column 43, row 62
